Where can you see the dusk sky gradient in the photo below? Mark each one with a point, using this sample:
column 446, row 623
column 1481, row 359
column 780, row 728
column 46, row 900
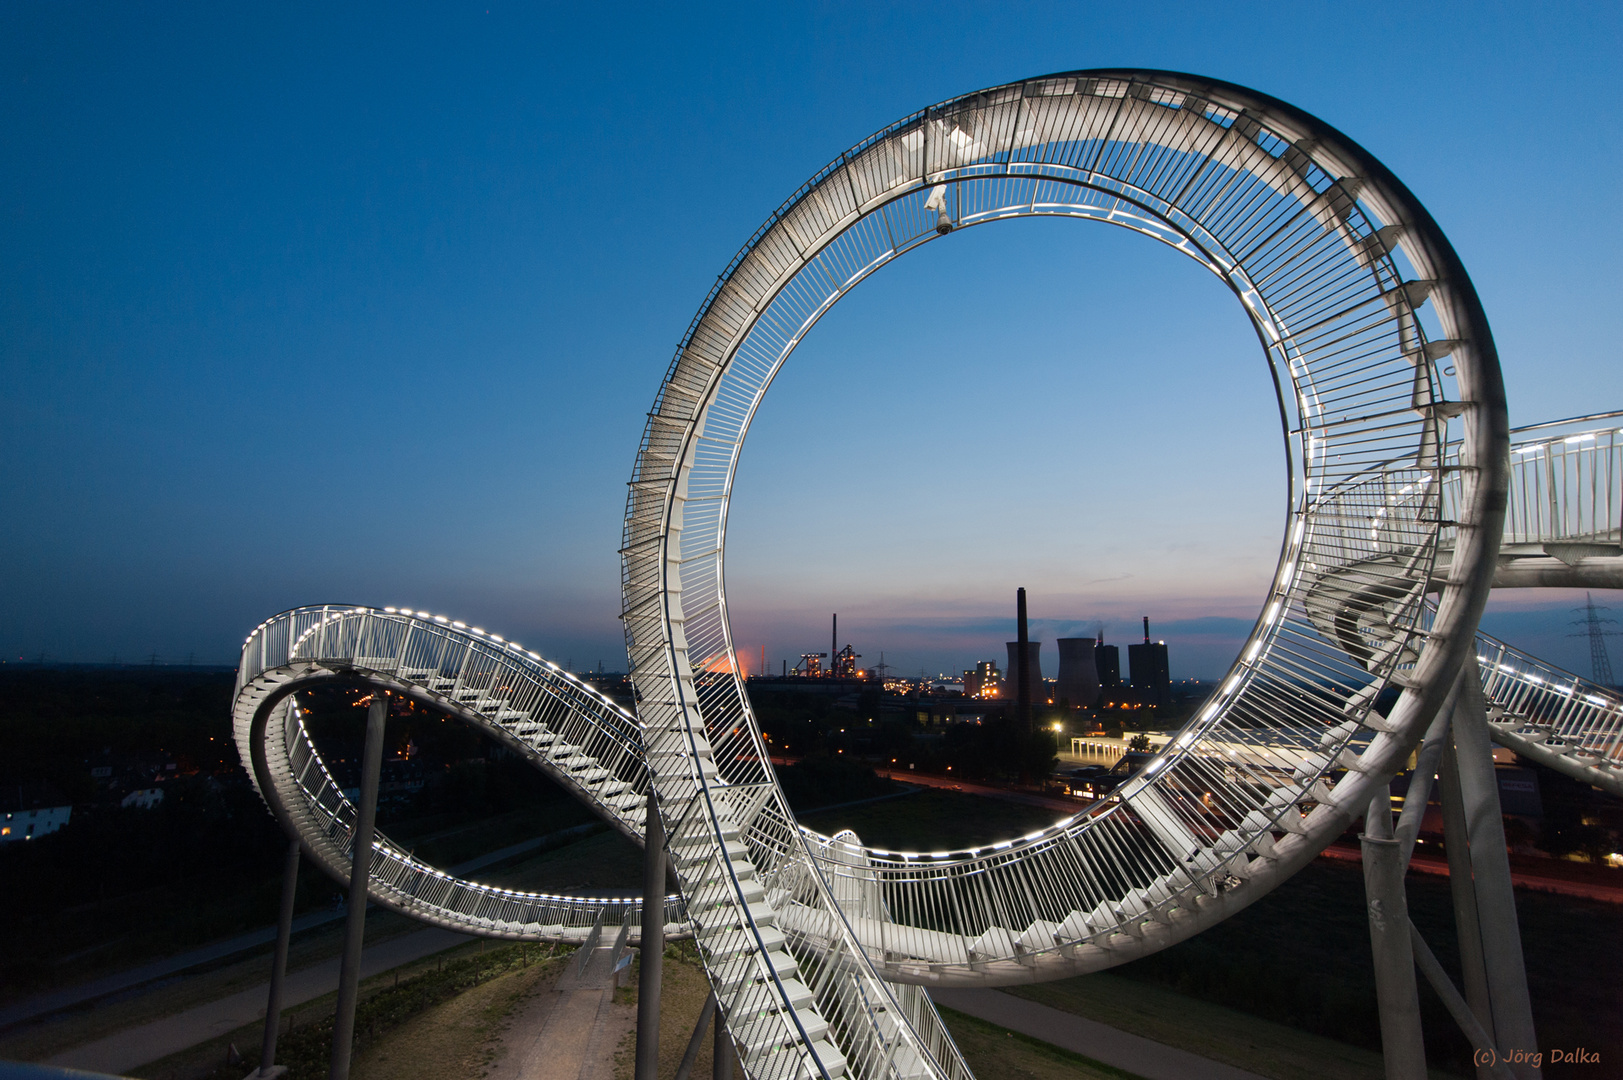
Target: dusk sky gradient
column 304, row 304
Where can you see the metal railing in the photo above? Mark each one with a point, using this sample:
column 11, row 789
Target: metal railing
column 560, row 724
column 1566, row 483
column 1553, row 716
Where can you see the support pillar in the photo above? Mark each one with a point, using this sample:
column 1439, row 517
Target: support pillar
column 1427, row 760
column 284, row 934
column 349, row 973
column 685, row 1070
column 652, row 945
column 721, row 1050
column 1473, row 977
column 1505, row 971
column 1402, row 1045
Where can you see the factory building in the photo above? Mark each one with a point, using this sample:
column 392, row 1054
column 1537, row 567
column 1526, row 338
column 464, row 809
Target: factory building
column 984, row 681
column 1151, row 676
column 1107, row 663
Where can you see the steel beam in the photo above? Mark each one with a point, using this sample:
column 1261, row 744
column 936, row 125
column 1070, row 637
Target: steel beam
column 1403, row 1046
column 284, row 935
column 721, row 1067
column 1427, row 758
column 349, row 973
column 700, row 1029
column 1501, row 942
column 1456, row 841
column 652, row 945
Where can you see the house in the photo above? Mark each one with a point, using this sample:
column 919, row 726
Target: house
column 29, row 811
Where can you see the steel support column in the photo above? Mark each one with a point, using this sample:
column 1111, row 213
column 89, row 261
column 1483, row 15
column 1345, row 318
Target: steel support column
column 1402, row 1045
column 1427, row 760
column 700, row 1029
column 1456, row 840
column 721, row 1066
column 652, row 946
column 284, row 934
column 349, row 973
column 1505, row 971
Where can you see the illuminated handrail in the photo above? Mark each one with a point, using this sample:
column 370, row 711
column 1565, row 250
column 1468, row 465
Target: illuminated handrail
column 561, row 725
column 1566, row 484
column 1553, row 716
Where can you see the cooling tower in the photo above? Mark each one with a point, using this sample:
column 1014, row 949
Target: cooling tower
column 1078, row 676
column 1011, row 677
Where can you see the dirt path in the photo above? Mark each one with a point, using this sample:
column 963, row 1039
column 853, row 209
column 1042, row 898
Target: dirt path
column 569, row 1031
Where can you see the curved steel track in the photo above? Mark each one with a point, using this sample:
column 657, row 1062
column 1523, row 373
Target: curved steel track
column 1389, row 392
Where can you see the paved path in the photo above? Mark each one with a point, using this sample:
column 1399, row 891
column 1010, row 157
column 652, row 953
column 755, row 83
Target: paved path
column 570, row 1031
column 1519, row 878
column 56, row 1001
column 137, row 1046
column 1144, row 1057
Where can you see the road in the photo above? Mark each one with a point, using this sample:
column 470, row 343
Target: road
column 57, row 1000
column 1519, row 878
column 144, row 1043
column 570, row 1030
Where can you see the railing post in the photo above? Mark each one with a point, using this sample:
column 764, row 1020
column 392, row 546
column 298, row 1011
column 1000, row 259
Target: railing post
column 652, row 945
column 349, row 973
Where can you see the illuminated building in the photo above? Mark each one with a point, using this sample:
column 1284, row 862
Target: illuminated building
column 983, row 681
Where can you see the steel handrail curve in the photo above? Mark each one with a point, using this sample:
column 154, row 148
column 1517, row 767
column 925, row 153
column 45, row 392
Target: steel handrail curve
column 1552, row 716
column 408, row 653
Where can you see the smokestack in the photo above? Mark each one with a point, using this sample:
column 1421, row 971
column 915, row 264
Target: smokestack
column 1023, row 658
column 834, row 640
column 1146, row 629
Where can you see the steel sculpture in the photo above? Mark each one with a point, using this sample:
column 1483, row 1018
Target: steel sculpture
column 1355, row 295
column 1397, row 446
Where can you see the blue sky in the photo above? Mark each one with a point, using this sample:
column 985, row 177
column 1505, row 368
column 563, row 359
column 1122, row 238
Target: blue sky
column 301, row 304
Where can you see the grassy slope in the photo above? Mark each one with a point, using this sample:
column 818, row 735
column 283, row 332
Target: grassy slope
column 994, row 1053
column 1200, row 1027
column 934, row 820
column 458, row 1038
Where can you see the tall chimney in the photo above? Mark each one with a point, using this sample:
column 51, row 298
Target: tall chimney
column 1024, row 684
column 1146, row 629
column 834, row 640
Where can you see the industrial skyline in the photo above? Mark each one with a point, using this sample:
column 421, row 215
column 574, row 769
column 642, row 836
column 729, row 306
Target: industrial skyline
column 214, row 213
